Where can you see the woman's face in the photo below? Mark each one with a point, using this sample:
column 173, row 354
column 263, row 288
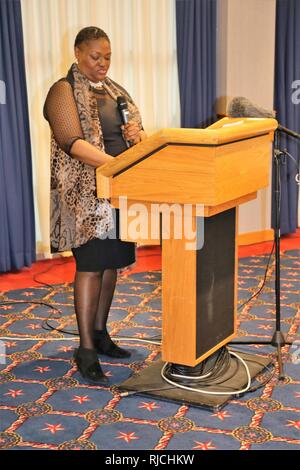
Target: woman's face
column 94, row 58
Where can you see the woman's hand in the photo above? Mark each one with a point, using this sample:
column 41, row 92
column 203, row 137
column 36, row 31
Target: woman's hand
column 131, row 132
column 89, row 154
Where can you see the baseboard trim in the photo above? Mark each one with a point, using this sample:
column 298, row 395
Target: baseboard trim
column 251, row 238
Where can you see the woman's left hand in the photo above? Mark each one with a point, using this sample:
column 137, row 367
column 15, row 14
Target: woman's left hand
column 131, row 132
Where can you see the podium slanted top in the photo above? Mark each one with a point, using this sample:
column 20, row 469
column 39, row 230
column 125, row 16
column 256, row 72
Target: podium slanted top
column 209, row 166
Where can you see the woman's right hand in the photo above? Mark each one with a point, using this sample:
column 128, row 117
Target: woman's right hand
column 89, row 154
column 108, row 159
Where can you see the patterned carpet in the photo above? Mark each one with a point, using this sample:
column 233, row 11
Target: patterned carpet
column 44, row 403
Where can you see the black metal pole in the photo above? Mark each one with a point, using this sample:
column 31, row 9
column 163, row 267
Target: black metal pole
column 278, row 339
column 277, row 229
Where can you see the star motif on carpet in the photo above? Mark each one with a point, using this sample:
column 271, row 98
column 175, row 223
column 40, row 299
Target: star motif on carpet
column 80, row 399
column 14, row 393
column 65, row 348
column 149, row 406
column 204, row 445
column 53, row 428
column 127, row 437
column 41, row 370
column 32, row 326
column 222, row 415
column 294, row 424
column 141, row 335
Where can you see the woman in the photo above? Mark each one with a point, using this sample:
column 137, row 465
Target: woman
column 87, row 132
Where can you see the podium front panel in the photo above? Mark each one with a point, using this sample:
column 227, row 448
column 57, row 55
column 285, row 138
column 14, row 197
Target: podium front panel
column 215, row 277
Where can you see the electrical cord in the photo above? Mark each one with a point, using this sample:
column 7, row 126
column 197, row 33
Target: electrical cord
column 297, row 164
column 37, row 338
column 268, row 367
column 264, row 280
column 268, row 379
column 206, row 392
column 59, row 330
column 36, row 302
column 215, row 365
column 134, row 392
column 44, row 272
column 14, row 302
column 48, row 327
column 250, row 390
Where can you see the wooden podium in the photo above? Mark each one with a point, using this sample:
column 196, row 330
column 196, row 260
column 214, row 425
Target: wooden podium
column 210, row 171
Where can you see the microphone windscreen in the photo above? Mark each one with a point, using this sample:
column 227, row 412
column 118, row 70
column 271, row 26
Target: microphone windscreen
column 242, row 107
column 122, row 103
column 237, row 107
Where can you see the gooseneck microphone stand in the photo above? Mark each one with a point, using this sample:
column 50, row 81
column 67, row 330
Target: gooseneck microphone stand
column 278, row 339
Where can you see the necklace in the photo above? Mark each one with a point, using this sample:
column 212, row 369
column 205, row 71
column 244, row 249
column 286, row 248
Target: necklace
column 96, row 85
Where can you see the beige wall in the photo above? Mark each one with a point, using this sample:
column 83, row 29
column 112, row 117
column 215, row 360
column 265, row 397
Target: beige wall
column 245, row 61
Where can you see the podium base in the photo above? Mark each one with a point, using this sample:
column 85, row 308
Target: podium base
column 150, row 383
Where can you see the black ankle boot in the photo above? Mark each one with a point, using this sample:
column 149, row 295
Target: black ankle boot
column 105, row 345
column 88, row 365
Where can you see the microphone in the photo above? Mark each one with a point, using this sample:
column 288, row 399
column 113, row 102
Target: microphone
column 124, row 113
column 242, row 107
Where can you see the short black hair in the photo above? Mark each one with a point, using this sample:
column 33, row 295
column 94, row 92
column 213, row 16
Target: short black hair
column 89, row 33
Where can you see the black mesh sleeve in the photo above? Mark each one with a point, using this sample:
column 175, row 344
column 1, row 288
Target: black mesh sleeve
column 60, row 110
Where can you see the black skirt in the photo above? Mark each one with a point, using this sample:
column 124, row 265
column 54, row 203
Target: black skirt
column 107, row 253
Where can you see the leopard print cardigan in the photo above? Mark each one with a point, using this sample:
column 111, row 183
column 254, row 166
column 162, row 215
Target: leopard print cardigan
column 76, row 214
